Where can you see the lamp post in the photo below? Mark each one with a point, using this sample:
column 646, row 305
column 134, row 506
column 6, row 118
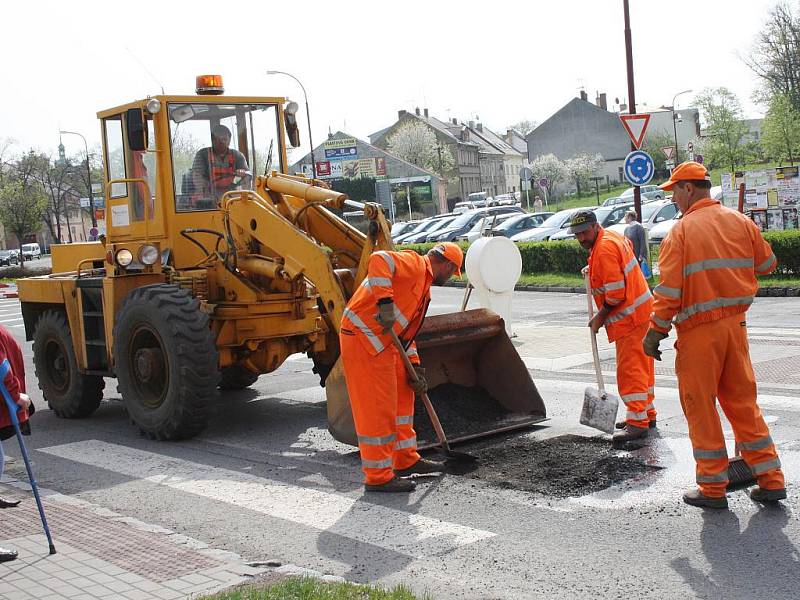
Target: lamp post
column 674, row 123
column 308, row 117
column 88, row 174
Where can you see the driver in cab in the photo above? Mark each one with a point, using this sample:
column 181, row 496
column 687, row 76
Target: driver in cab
column 218, row 169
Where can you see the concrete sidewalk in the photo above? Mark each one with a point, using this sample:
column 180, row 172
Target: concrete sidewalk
column 102, row 554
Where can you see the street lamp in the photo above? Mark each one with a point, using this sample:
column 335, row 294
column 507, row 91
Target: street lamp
column 88, row 174
column 308, row 117
column 674, row 124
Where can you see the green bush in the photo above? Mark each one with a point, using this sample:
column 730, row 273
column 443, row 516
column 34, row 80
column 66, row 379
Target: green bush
column 786, row 246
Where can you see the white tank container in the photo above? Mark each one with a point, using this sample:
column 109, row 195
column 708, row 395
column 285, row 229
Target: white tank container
column 493, row 266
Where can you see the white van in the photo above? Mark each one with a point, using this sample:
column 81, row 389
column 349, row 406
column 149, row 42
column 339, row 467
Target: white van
column 31, row 251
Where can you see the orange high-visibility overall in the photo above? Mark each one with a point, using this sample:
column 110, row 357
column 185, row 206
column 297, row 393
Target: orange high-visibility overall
column 381, row 399
column 617, row 281
column 708, row 263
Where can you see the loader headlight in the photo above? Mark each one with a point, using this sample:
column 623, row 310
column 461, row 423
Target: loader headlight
column 123, row 257
column 153, row 105
column 148, row 254
column 291, row 108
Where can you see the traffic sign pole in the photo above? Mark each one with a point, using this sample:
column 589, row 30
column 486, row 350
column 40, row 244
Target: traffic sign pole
column 637, row 193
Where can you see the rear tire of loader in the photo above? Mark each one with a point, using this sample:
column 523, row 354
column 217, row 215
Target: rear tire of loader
column 236, row 377
column 69, row 394
column 166, row 362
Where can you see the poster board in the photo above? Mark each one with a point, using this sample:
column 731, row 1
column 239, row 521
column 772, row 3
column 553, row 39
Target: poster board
column 772, row 196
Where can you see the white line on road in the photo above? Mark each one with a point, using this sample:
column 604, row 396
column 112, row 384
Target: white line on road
column 410, row 534
column 10, row 320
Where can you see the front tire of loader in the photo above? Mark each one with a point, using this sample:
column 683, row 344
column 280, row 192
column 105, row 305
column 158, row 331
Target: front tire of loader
column 69, row 394
column 236, row 377
column 166, row 362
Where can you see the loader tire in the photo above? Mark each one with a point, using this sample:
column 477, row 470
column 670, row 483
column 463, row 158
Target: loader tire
column 69, row 393
column 166, row 362
column 236, row 377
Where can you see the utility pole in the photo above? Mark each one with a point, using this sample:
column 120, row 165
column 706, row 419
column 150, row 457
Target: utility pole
column 637, row 192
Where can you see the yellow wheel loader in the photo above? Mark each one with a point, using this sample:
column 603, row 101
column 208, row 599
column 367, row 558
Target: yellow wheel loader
column 216, row 265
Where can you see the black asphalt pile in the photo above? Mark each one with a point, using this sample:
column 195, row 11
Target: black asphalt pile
column 560, row 467
column 461, row 410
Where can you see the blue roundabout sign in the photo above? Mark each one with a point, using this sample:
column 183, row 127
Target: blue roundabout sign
column 638, row 168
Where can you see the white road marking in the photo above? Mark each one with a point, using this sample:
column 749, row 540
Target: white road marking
column 410, row 534
column 10, row 320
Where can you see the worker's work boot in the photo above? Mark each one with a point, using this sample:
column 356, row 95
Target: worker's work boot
column 697, row 498
column 7, row 555
column 393, row 485
column 621, row 424
column 422, row 467
column 8, row 503
column 629, row 433
column 765, row 496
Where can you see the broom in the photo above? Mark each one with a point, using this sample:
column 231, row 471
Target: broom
column 740, row 475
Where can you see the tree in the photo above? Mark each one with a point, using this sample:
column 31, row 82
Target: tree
column 775, row 57
column 525, row 126
column 416, row 143
column 581, row 167
column 780, row 131
column 549, row 167
column 725, row 127
column 21, row 209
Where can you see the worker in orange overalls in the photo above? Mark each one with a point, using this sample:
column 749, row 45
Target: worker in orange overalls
column 624, row 304
column 709, row 262
column 394, row 295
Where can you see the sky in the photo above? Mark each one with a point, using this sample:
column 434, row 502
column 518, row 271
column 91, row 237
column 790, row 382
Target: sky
column 362, row 61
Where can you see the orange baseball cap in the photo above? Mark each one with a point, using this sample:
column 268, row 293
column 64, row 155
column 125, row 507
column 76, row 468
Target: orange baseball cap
column 686, row 171
column 451, row 252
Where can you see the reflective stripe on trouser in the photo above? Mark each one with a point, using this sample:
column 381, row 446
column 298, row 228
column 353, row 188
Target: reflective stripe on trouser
column 383, row 407
column 713, row 364
column 635, row 377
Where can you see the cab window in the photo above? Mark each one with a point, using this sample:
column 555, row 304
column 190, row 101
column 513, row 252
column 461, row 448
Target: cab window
column 143, row 166
column 218, row 148
column 115, row 155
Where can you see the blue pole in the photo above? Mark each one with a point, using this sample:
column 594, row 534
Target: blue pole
column 12, row 411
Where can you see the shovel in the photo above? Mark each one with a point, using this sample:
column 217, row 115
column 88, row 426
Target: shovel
column 444, row 445
column 599, row 407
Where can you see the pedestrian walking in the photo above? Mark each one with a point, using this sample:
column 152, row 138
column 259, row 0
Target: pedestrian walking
column 624, row 303
column 394, row 295
column 15, row 384
column 537, row 203
column 636, row 233
column 709, row 262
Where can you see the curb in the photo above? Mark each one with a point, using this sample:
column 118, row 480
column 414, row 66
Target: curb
column 763, row 292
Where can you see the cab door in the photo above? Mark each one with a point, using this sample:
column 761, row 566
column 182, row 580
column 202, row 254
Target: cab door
column 132, row 209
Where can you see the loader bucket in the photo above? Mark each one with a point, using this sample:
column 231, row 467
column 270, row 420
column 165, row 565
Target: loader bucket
column 477, row 381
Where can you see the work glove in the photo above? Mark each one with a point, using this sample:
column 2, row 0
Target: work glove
column 420, row 386
column 651, row 342
column 385, row 316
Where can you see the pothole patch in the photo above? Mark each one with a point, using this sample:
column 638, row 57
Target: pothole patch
column 561, row 467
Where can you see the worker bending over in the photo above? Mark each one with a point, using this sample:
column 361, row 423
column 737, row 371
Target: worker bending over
column 394, row 295
column 624, row 305
column 709, row 262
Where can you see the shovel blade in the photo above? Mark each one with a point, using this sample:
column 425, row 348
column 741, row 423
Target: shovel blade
column 599, row 410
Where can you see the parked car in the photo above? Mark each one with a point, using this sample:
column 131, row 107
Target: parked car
column 418, row 238
column 652, row 214
column 467, row 220
column 31, row 251
column 423, row 225
column 8, row 257
column 505, row 200
column 651, row 192
column 519, row 223
column 483, row 227
column 399, row 229
column 659, row 231
column 614, row 200
column 550, row 226
column 478, row 199
column 606, row 216
column 462, row 207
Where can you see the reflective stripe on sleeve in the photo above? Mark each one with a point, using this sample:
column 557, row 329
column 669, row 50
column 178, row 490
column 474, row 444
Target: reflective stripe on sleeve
column 663, row 290
column 636, row 397
column 400, row 317
column 759, row 444
column 763, row 467
column 409, row 443
column 631, row 309
column 376, row 441
column 388, row 258
column 711, row 305
column 356, row 320
column 614, row 285
column 405, row 420
column 721, row 477
column 661, row 322
column 766, row 264
column 718, row 263
column 412, row 352
column 377, row 281
column 701, row 454
column 629, row 267
column 376, row 464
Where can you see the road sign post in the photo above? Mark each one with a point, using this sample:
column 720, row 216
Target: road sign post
column 639, row 168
